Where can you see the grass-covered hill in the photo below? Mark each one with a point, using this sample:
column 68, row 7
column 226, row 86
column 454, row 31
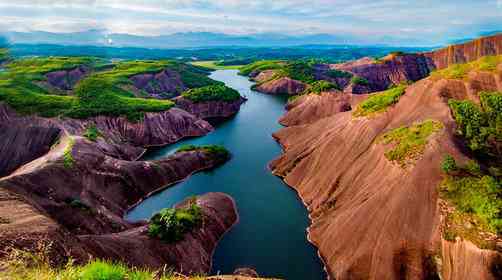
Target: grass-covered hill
column 4, row 55
column 105, row 89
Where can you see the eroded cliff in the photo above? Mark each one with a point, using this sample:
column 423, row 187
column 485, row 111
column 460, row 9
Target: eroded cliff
column 374, row 217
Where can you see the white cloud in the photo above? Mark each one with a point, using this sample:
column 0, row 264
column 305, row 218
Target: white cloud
column 155, row 17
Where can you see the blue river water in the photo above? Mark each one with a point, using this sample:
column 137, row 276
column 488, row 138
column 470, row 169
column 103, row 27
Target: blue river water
column 271, row 234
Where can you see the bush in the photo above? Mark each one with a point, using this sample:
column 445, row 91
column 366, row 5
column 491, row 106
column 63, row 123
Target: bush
column 448, row 164
column 212, row 93
column 101, row 270
column 322, row 86
column 357, row 80
column 92, row 133
column 409, row 141
column 68, row 160
column 334, row 73
column 378, row 102
column 478, row 195
column 216, row 151
column 77, row 203
column 480, row 126
column 171, row 224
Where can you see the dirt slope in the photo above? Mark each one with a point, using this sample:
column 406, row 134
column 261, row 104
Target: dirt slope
column 372, row 218
column 470, row 51
column 211, row 109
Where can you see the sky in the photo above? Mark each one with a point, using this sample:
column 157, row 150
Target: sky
column 438, row 21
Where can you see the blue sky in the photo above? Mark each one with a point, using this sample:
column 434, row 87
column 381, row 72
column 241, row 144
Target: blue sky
column 434, row 21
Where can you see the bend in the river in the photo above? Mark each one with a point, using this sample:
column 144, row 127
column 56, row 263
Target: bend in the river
column 271, row 234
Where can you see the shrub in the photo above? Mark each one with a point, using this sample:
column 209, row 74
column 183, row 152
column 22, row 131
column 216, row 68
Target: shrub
column 357, row 80
column 216, row 151
column 409, row 141
column 379, row 102
column 334, row 73
column 77, row 203
column 92, row 133
column 480, row 126
column 212, row 93
column 478, row 195
column 448, row 164
column 322, row 86
column 68, row 160
column 171, row 224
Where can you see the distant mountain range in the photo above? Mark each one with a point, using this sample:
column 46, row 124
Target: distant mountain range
column 210, row 39
column 191, row 39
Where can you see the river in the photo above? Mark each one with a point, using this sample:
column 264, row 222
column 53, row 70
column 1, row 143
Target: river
column 271, row 234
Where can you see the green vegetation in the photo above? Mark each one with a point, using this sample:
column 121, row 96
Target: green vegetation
column 299, row 70
column 356, row 80
column 34, row 68
column 321, row 86
column 379, row 102
column 334, row 73
column 92, row 133
column 191, row 76
column 78, row 204
column 477, row 195
column 102, row 93
column 480, row 126
column 215, row 151
column 448, row 164
column 216, row 65
column 460, row 71
column 4, row 54
column 409, row 141
column 20, row 265
column 212, row 93
column 68, row 160
column 97, row 97
column 171, row 224
column 261, row 65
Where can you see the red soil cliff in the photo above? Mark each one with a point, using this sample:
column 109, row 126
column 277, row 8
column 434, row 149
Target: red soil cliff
column 372, row 218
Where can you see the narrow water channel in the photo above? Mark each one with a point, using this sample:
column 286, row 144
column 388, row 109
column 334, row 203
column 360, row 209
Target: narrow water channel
column 271, row 234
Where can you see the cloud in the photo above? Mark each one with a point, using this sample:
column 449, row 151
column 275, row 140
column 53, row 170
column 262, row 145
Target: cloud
column 433, row 19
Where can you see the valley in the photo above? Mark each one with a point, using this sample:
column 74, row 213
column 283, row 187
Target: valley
column 390, row 166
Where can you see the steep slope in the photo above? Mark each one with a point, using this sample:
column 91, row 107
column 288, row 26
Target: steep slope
column 28, row 137
column 470, row 51
column 312, row 107
column 367, row 74
column 376, row 218
column 283, row 85
column 77, row 190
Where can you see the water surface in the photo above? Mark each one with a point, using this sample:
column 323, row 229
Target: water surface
column 271, row 234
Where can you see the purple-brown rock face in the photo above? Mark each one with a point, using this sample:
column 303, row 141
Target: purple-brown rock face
column 164, row 84
column 467, row 52
column 62, row 189
column 282, row 86
column 191, row 255
column 382, row 74
column 67, row 79
column 211, row 109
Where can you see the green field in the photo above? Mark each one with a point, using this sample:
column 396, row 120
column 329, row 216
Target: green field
column 211, row 64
